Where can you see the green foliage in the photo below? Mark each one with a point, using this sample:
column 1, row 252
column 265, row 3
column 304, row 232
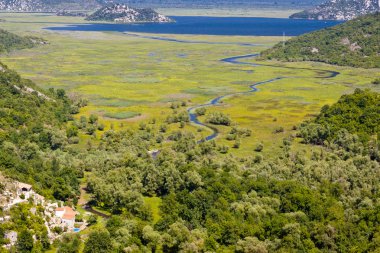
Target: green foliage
column 259, row 147
column 218, row 118
column 200, row 111
column 25, row 242
column 10, row 41
column 70, row 243
column 354, row 43
column 352, row 119
column 98, row 242
column 92, row 220
column 33, row 127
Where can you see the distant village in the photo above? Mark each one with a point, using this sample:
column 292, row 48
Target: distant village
column 58, row 219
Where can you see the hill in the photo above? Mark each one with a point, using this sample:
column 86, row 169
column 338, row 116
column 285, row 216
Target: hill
column 354, row 43
column 340, row 10
column 355, row 116
column 48, row 5
column 32, row 127
column 10, row 41
column 124, row 14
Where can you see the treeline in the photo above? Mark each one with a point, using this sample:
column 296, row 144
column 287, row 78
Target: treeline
column 354, row 43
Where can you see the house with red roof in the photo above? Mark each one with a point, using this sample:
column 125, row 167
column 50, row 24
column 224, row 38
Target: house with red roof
column 67, row 215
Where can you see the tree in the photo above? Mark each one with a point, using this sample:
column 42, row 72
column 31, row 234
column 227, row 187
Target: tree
column 70, row 243
column 93, row 119
column 98, row 242
column 24, row 242
column 93, row 219
column 152, row 238
column 251, row 245
column 218, row 118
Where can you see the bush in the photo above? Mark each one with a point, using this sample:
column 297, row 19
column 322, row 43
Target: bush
column 376, row 81
column 101, row 127
column 93, row 219
column 218, row 118
column 200, row 111
column 279, row 130
column 259, row 147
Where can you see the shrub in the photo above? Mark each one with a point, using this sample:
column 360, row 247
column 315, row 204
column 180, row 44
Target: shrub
column 218, row 118
column 259, row 147
column 200, row 111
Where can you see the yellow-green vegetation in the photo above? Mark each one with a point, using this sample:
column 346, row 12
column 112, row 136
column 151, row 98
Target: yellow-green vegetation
column 154, row 204
column 124, row 76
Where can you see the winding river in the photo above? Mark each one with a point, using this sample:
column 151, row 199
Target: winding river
column 237, row 60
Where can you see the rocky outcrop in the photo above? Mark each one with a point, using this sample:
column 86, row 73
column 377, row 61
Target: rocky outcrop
column 340, row 10
column 122, row 13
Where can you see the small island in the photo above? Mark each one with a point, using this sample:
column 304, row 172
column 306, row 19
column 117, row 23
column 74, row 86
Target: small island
column 121, row 13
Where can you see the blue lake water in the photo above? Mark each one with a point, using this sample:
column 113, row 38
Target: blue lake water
column 234, row 26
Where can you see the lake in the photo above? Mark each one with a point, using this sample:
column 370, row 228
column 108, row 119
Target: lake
column 233, row 26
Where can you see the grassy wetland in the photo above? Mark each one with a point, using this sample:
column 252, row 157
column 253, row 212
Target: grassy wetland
column 131, row 79
column 292, row 161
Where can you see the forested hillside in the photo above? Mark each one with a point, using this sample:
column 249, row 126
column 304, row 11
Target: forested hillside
column 10, row 41
column 354, row 43
column 32, row 129
column 354, row 117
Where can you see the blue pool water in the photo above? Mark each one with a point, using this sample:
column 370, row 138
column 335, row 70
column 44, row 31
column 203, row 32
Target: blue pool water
column 76, row 230
column 243, row 26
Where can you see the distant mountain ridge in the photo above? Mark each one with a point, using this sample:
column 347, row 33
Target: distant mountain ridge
column 354, row 43
column 48, row 5
column 340, row 10
column 122, row 13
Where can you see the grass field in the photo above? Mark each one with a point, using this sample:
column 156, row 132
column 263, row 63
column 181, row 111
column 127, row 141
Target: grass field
column 129, row 79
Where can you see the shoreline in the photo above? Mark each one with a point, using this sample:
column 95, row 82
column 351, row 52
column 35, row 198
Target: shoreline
column 229, row 12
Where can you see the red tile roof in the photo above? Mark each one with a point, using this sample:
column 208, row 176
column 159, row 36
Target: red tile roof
column 69, row 213
column 69, row 216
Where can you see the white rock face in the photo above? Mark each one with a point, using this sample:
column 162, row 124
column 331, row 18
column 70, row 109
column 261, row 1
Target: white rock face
column 340, row 10
column 122, row 13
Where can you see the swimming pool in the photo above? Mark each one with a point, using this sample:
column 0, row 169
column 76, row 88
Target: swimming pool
column 76, row 230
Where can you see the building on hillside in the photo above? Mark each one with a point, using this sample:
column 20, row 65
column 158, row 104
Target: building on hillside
column 67, row 216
